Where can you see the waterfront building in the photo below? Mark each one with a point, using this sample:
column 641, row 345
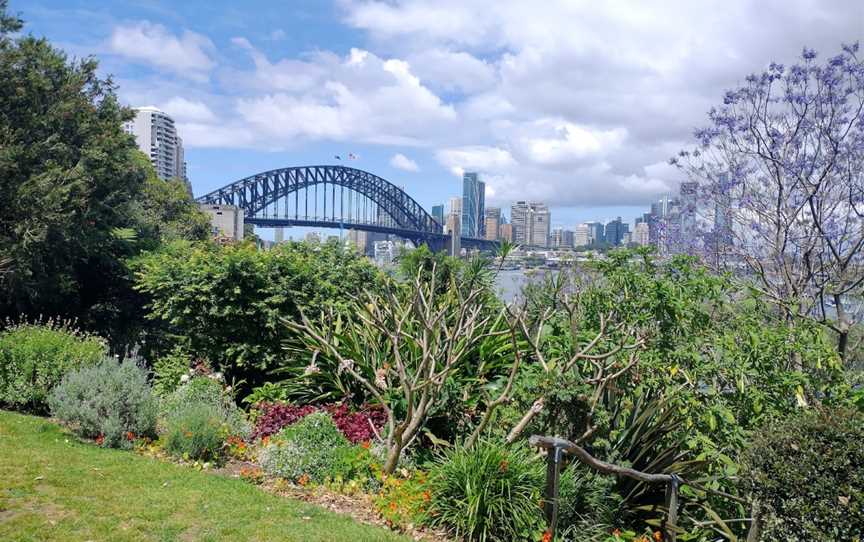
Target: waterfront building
column 581, row 236
column 531, row 223
column 156, row 136
column 492, row 223
column 226, row 221
column 561, row 238
column 595, row 232
column 473, row 205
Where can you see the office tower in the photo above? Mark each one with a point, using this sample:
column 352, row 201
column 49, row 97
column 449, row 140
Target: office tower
column 226, row 221
column 506, row 232
column 531, row 223
column 614, row 232
column 595, row 232
column 582, row 236
column 454, row 229
column 279, row 235
column 157, row 137
column 561, row 238
column 438, row 213
column 642, row 234
column 492, row 223
column 473, row 203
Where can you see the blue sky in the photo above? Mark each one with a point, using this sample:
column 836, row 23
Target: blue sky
column 575, row 103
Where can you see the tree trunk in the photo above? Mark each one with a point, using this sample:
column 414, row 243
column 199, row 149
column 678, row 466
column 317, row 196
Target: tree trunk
column 393, row 454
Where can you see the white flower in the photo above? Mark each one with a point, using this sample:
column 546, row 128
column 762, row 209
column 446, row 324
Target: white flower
column 311, row 369
column 184, row 379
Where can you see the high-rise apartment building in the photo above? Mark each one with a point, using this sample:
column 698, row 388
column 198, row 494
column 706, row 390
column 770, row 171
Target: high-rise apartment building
column 157, row 137
column 505, row 232
column 595, row 232
column 438, row 213
column 473, row 205
column 492, row 223
column 531, row 223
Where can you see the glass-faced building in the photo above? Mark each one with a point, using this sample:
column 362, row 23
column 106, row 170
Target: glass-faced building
column 473, row 205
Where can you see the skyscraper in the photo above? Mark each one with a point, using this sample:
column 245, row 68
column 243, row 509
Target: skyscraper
column 581, row 236
column 561, row 238
column 614, row 232
column 595, row 232
column 157, row 137
column 492, row 223
column 531, row 223
column 641, row 234
column 438, row 213
column 455, row 207
column 473, row 204
column 506, row 232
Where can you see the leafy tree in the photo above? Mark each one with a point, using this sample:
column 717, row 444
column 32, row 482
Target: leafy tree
column 78, row 197
column 227, row 303
column 781, row 172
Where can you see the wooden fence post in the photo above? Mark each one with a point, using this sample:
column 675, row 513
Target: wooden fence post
column 671, row 525
column 553, row 477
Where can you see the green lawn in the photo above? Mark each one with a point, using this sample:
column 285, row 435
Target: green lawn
column 55, row 488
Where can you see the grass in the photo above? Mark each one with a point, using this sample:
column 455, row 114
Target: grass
column 53, row 487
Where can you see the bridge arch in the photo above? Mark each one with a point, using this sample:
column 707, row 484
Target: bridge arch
column 256, row 192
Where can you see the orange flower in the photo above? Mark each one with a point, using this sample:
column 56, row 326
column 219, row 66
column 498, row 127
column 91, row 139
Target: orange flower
column 265, row 440
column 188, row 433
column 658, row 536
column 303, row 480
column 130, row 435
column 547, row 537
column 392, row 506
column 427, row 496
column 365, row 444
column 502, row 466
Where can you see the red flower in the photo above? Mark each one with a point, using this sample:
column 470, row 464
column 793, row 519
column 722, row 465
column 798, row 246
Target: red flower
column 130, row 436
column 100, row 439
column 547, row 537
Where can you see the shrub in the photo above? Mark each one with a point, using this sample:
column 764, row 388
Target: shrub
column 111, row 402
column 488, row 492
column 208, row 390
column 196, row 431
column 403, row 502
column 305, row 451
column 806, row 475
column 35, row 357
column 169, row 370
column 356, row 426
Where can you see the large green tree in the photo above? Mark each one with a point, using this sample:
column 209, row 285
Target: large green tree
column 78, row 197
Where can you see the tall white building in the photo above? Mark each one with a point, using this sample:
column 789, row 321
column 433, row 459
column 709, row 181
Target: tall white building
column 531, row 223
column 157, row 137
column 226, row 221
column 582, row 236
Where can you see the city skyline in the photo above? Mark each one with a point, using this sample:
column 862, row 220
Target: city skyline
column 268, row 87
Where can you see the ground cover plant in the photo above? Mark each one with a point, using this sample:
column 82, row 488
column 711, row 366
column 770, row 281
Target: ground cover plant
column 53, row 487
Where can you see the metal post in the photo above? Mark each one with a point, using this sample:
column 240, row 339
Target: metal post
column 671, row 526
column 553, row 475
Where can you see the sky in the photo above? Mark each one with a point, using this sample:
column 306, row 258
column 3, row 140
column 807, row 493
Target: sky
column 575, row 103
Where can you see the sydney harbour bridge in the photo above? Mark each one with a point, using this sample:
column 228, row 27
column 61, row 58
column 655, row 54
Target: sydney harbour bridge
column 335, row 197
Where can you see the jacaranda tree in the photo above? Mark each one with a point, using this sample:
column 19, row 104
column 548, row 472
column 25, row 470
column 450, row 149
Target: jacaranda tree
column 781, row 170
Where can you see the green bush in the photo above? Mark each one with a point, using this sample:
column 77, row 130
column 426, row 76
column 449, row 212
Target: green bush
column 196, row 431
column 806, row 474
column 169, row 370
column 35, row 357
column 311, row 449
column 208, row 390
column 111, row 401
column 490, row 492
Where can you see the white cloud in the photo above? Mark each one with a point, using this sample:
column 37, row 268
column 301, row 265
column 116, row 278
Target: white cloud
column 360, row 97
column 186, row 55
column 400, row 161
column 182, row 109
